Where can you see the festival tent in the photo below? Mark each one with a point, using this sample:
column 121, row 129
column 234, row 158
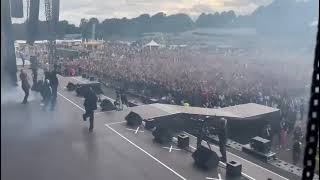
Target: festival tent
column 151, row 44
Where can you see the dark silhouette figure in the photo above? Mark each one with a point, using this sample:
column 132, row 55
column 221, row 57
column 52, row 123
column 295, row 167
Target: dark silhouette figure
column 296, row 151
column 90, row 104
column 46, row 93
column 22, row 58
column 54, row 83
column 25, row 86
column 34, row 79
column 223, row 137
column 267, row 132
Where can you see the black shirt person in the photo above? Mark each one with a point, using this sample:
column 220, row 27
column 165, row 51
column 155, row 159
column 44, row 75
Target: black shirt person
column 54, row 82
column 46, row 93
column 90, row 104
column 223, row 137
column 296, row 151
column 34, row 68
column 25, row 86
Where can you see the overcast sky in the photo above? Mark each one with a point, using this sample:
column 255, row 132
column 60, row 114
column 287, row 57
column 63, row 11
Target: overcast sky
column 74, row 10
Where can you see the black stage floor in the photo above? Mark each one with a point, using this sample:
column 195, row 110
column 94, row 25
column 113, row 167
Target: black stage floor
column 39, row 145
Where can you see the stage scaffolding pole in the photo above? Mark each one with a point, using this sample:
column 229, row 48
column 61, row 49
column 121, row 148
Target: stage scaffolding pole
column 8, row 63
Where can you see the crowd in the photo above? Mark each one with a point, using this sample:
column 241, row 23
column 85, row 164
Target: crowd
column 198, row 78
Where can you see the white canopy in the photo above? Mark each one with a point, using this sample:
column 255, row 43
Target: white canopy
column 152, row 43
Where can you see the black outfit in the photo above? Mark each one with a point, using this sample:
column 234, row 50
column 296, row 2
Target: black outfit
column 25, row 87
column 90, row 104
column 124, row 99
column 268, row 133
column 54, row 82
column 297, row 134
column 296, row 152
column 47, row 93
column 34, row 78
column 201, row 134
column 223, row 137
column 26, row 94
column 46, row 75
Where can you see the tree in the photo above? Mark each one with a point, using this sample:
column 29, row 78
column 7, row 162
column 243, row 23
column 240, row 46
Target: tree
column 84, row 28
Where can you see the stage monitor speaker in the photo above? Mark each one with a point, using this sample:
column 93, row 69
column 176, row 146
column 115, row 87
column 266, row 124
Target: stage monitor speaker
column 71, row 86
column 16, row 8
column 183, row 141
column 205, row 158
column 107, row 105
column 32, row 22
column 92, row 78
column 133, row 119
column 149, row 123
column 234, row 169
column 261, row 145
column 162, row 135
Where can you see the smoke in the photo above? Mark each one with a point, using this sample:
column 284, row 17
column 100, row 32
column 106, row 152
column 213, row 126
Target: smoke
column 29, row 119
column 10, row 95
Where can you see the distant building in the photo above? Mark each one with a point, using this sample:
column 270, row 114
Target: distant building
column 93, row 44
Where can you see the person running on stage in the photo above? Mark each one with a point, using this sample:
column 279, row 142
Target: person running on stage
column 54, row 83
column 47, row 94
column 25, row 86
column 90, row 104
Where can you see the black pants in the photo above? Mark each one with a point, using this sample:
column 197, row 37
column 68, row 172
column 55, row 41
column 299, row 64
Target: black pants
column 199, row 140
column 296, row 157
column 89, row 113
column 223, row 149
column 54, row 96
column 26, row 94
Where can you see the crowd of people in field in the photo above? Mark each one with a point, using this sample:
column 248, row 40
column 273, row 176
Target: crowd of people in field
column 197, row 78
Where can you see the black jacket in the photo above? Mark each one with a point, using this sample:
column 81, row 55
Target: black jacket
column 53, row 79
column 90, row 102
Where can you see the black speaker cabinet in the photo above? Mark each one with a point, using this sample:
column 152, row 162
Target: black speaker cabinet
column 133, row 119
column 71, row 86
column 183, row 141
column 91, row 78
column 234, row 169
column 205, row 158
column 261, row 145
column 162, row 135
column 107, row 105
column 149, row 123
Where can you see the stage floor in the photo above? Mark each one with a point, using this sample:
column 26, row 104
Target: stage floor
column 49, row 145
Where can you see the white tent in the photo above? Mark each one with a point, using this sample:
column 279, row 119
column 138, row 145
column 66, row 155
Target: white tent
column 151, row 44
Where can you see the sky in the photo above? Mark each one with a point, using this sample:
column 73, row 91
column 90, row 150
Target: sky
column 74, row 10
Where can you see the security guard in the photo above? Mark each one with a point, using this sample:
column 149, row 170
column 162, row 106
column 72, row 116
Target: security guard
column 223, row 137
